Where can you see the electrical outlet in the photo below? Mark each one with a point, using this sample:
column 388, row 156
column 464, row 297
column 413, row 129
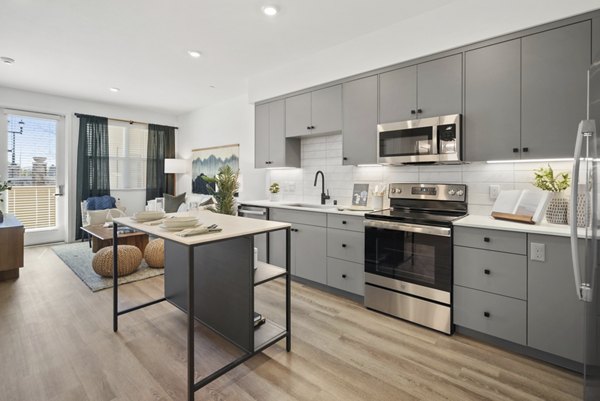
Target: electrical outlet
column 538, row 252
column 494, row 191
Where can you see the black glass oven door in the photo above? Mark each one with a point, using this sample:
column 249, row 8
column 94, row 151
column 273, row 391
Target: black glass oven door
column 418, row 258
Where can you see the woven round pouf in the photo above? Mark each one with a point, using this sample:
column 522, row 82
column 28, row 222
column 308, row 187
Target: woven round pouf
column 130, row 258
column 155, row 253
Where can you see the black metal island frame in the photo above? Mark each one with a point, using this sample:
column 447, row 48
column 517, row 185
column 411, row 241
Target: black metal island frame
column 211, row 278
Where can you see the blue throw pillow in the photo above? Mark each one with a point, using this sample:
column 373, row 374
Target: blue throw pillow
column 101, row 202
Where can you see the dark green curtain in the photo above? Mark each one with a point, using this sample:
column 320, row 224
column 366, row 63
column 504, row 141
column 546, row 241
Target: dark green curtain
column 93, row 178
column 161, row 146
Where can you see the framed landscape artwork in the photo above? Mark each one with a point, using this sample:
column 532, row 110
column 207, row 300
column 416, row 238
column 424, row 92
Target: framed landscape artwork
column 208, row 161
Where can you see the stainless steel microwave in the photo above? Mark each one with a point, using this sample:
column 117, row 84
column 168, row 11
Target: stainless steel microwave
column 427, row 140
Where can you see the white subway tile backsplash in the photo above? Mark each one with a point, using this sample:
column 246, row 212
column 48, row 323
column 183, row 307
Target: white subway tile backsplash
column 325, row 153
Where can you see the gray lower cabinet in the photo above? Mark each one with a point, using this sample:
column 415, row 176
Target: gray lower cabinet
column 429, row 89
column 493, row 102
column 496, row 272
column 346, row 276
column 555, row 315
column 554, row 89
column 346, row 245
column 308, row 244
column 271, row 147
column 500, row 291
column 492, row 314
column 359, row 104
column 314, row 113
column 325, row 248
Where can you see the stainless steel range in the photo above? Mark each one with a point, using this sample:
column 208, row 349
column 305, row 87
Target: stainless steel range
column 408, row 253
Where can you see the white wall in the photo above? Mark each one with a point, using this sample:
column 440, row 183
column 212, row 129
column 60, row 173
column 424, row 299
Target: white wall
column 226, row 123
column 457, row 24
column 44, row 103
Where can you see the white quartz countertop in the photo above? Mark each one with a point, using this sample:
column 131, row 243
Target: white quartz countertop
column 478, row 221
column 232, row 227
column 288, row 205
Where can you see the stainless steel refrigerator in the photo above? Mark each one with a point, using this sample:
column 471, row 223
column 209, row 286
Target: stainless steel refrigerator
column 585, row 191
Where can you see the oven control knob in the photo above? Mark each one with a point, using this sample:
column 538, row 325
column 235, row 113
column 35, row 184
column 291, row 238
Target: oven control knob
column 451, row 192
column 460, row 192
column 394, row 190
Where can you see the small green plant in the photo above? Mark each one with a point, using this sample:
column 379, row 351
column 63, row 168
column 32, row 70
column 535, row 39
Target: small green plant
column 4, row 186
column 227, row 186
column 547, row 181
column 274, row 188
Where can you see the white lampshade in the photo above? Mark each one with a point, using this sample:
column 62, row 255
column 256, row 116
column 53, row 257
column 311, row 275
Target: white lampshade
column 176, row 166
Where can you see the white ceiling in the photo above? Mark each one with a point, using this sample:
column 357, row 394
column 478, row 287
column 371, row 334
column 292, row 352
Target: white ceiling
column 81, row 48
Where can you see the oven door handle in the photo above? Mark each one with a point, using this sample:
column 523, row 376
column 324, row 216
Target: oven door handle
column 413, row 228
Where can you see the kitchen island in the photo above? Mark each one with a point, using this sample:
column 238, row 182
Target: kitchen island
column 211, row 278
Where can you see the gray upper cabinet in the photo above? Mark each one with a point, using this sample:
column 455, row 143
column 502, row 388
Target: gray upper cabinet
column 554, row 89
column 314, row 113
column 439, row 87
column 359, row 104
column 297, row 115
column 261, row 135
column 493, row 102
column 271, row 148
column 398, row 95
column 429, row 89
column 555, row 315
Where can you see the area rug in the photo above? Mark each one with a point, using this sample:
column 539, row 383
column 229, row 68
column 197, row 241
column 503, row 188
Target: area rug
column 78, row 257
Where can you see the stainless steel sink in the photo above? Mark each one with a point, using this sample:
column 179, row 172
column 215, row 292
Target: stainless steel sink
column 310, row 205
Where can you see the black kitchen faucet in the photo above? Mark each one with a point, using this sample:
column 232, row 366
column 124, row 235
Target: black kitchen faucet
column 324, row 196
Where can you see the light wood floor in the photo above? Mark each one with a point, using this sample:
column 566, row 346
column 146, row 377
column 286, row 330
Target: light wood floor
column 56, row 343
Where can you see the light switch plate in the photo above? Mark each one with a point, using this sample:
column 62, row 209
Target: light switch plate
column 538, row 252
column 494, row 191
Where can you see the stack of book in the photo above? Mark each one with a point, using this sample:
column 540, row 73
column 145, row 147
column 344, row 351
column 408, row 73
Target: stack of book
column 258, row 319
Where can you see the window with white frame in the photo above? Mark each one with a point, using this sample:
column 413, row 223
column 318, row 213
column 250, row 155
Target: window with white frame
column 128, row 147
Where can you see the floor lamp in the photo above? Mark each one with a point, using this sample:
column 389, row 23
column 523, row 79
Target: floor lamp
column 176, row 166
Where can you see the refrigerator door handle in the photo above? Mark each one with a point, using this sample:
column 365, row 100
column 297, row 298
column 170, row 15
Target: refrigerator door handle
column 573, row 211
column 585, row 131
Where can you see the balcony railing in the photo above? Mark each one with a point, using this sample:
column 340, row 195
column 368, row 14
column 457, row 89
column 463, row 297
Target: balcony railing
column 34, row 206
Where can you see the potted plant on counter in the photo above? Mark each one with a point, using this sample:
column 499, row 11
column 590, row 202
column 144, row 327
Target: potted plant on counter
column 274, row 190
column 547, row 180
column 4, row 186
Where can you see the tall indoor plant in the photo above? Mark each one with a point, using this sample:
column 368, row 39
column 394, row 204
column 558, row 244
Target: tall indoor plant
column 227, row 186
column 4, row 186
column 546, row 180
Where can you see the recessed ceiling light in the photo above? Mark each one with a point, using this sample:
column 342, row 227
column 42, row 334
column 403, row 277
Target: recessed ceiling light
column 114, row 89
column 212, row 86
column 194, row 53
column 7, row 60
column 270, row 10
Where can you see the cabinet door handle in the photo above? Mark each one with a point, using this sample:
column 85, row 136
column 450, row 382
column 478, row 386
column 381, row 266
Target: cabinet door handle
column 525, row 149
column 486, row 271
column 345, row 158
column 413, row 112
column 486, row 239
column 486, row 314
column 308, row 127
column 344, row 276
column 343, row 245
column 419, row 111
column 343, row 221
column 515, row 150
column 312, row 127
